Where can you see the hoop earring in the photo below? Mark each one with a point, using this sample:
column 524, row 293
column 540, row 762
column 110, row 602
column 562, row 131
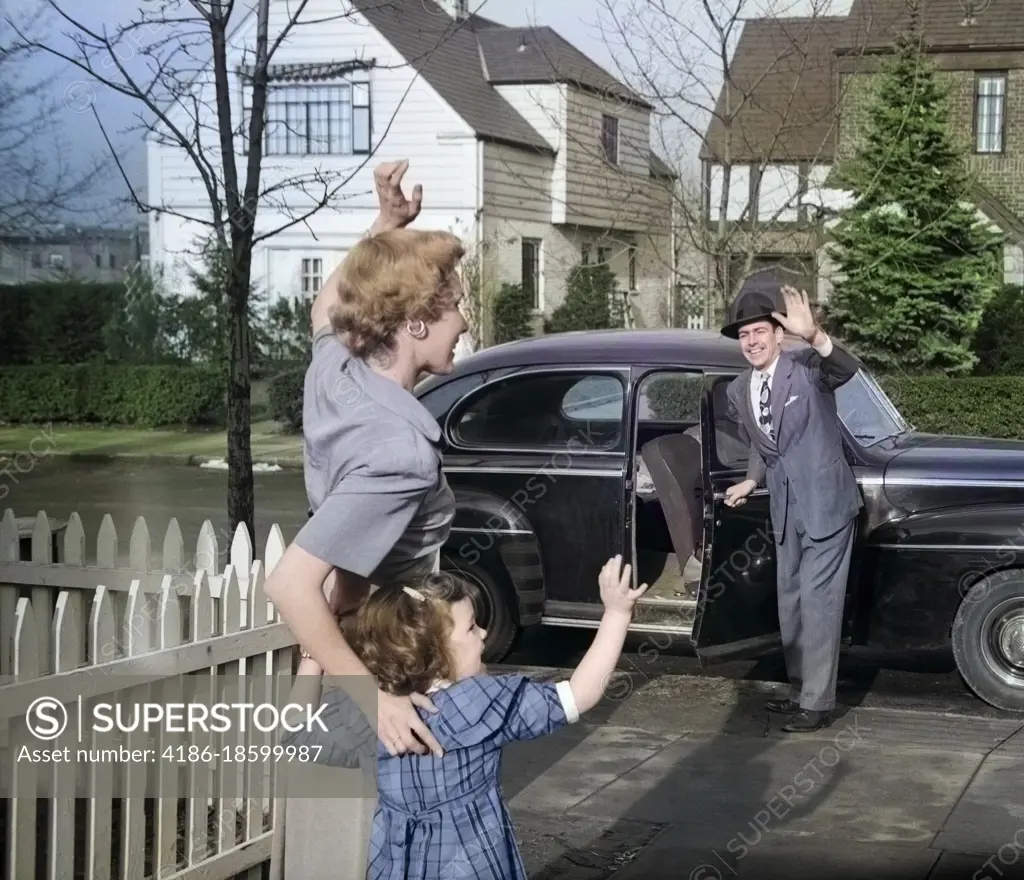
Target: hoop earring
column 417, row 329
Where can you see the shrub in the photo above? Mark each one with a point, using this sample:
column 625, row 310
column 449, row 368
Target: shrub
column 512, row 309
column 56, row 322
column 674, row 398
column 140, row 396
column 997, row 339
column 587, row 304
column 972, row 406
column 285, row 394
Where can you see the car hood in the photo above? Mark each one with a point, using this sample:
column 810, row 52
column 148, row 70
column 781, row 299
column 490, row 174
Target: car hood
column 919, row 457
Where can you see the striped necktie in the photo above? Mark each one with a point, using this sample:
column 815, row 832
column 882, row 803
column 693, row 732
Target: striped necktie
column 765, row 417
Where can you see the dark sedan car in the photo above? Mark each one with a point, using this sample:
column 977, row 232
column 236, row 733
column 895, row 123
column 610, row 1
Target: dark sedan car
column 566, row 449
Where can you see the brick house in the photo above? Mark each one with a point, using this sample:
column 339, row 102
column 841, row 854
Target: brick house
column 806, row 82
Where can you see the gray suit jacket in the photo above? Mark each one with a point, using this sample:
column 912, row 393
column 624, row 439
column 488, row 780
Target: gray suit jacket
column 807, row 458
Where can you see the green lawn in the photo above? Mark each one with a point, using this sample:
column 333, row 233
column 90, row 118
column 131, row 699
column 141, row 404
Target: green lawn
column 268, row 442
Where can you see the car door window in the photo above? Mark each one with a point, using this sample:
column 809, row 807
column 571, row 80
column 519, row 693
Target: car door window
column 574, row 410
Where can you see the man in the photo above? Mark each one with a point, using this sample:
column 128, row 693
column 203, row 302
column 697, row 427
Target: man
column 786, row 404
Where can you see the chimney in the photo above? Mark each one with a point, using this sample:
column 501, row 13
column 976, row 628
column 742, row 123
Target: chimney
column 457, row 9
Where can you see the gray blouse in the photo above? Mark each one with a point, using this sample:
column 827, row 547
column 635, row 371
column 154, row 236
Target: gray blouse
column 382, row 507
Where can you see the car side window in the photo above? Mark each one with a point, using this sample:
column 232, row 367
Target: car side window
column 550, row 410
column 440, row 400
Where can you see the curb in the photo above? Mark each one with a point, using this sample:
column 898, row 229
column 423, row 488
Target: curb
column 154, row 458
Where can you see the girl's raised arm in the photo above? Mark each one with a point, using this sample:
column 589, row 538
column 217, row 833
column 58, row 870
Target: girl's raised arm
column 590, row 679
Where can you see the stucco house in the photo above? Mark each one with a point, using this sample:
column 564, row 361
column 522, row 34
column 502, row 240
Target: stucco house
column 524, row 146
column 806, row 84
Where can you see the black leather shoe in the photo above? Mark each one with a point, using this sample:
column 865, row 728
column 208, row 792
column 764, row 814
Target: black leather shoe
column 806, row 721
column 782, row 706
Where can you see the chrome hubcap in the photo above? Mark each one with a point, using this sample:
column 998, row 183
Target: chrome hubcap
column 1003, row 642
column 1011, row 640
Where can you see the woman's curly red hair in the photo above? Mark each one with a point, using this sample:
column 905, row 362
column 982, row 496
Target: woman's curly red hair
column 393, row 278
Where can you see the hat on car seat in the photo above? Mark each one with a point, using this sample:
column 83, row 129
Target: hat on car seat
column 752, row 304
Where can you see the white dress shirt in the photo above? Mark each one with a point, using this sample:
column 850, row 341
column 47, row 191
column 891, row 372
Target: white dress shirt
column 757, row 377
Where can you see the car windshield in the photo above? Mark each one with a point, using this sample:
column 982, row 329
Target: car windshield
column 867, row 412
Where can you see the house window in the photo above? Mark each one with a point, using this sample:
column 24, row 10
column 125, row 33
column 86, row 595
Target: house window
column 531, row 270
column 604, row 256
column 99, row 261
column 113, row 261
column 989, row 113
column 610, row 138
column 323, row 119
column 312, row 274
column 56, row 261
column 37, row 260
column 632, row 267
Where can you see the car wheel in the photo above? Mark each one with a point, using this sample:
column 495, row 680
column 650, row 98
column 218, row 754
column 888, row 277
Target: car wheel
column 494, row 608
column 988, row 640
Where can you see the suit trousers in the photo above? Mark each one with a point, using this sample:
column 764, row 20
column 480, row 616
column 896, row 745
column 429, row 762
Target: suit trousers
column 812, row 580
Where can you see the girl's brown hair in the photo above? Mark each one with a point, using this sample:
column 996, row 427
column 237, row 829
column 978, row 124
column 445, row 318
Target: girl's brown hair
column 402, row 634
column 389, row 279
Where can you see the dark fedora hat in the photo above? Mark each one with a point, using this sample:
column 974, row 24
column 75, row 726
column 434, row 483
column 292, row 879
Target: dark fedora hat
column 753, row 304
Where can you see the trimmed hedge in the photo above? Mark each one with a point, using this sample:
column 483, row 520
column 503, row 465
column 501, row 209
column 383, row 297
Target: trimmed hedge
column 976, row 406
column 140, row 396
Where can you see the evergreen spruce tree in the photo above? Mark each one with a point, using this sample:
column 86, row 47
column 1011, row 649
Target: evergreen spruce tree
column 918, row 264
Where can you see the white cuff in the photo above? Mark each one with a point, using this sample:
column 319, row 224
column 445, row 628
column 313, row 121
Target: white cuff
column 568, row 701
column 825, row 349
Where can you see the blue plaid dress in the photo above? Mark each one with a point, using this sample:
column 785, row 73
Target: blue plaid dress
column 446, row 817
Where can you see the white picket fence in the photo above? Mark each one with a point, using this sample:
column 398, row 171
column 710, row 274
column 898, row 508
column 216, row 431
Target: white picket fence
column 73, row 632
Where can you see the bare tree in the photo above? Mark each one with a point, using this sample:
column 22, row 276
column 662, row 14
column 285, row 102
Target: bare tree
column 39, row 185
column 172, row 57
column 737, row 88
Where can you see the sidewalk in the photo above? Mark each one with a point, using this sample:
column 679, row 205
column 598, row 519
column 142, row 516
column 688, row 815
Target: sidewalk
column 689, row 779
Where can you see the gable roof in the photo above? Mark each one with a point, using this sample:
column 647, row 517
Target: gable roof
column 464, row 60
column 781, row 74
column 872, row 25
column 446, row 54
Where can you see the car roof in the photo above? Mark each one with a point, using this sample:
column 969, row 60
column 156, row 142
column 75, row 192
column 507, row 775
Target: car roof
column 704, row 348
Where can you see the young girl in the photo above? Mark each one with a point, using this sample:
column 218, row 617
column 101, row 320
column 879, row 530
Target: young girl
column 445, row 817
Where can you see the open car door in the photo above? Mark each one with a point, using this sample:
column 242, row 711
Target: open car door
column 737, row 614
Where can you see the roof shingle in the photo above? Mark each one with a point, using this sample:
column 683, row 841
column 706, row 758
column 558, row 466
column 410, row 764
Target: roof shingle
column 464, row 60
column 781, row 76
column 873, row 25
column 534, row 55
column 446, row 54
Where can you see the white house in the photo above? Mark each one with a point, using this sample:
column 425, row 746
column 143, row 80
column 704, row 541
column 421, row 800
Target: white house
column 524, row 146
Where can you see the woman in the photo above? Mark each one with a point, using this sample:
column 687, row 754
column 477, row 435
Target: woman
column 381, row 508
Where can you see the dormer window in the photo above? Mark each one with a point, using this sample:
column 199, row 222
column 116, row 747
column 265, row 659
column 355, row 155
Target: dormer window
column 610, row 138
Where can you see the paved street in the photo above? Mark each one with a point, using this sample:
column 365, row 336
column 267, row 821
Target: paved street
column 127, row 490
